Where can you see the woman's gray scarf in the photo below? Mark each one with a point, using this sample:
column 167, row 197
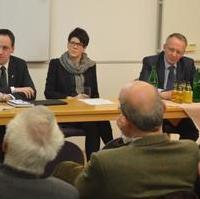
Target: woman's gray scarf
column 77, row 70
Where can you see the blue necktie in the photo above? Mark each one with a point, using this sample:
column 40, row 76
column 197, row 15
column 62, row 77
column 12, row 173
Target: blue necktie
column 171, row 78
column 3, row 77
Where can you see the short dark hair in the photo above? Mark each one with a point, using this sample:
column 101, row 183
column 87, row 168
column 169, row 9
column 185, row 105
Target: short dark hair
column 178, row 36
column 81, row 34
column 8, row 33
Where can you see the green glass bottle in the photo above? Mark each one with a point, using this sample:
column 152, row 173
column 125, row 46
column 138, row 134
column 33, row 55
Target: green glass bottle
column 153, row 77
column 196, row 86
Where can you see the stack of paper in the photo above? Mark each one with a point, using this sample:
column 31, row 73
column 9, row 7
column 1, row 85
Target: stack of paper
column 96, row 101
column 19, row 103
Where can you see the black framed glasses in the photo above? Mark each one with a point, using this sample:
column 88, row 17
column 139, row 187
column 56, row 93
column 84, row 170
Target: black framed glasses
column 77, row 44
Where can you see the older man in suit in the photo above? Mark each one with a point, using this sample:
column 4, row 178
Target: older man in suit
column 172, row 65
column 151, row 164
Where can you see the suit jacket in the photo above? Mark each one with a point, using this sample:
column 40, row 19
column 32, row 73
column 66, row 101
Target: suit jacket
column 18, row 76
column 184, row 72
column 23, row 185
column 60, row 83
column 148, row 167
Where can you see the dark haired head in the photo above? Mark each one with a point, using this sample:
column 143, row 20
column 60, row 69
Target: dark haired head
column 81, row 34
column 8, row 33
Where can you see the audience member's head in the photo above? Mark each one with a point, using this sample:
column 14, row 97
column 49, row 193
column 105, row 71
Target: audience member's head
column 142, row 109
column 81, row 35
column 174, row 47
column 32, row 139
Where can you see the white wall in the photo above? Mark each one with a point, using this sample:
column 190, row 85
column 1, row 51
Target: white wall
column 111, row 77
column 183, row 16
column 29, row 21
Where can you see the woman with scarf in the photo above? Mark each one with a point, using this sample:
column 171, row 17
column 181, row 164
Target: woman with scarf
column 70, row 76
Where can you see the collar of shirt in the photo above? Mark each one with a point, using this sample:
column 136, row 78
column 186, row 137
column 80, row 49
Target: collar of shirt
column 129, row 139
column 167, row 65
column 6, row 65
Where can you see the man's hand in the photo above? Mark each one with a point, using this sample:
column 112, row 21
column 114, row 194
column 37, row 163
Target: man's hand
column 82, row 96
column 4, row 97
column 167, row 95
column 28, row 91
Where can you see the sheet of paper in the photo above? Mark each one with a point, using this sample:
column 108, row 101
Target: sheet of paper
column 96, row 101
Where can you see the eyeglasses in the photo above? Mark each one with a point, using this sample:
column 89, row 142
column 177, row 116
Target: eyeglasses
column 73, row 43
column 173, row 50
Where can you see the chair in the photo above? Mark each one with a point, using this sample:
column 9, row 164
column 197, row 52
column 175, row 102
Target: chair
column 68, row 171
column 69, row 152
column 72, row 131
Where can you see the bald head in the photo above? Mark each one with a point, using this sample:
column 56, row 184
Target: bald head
column 141, row 105
column 139, row 94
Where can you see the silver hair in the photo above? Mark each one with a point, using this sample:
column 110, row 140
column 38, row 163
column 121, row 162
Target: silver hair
column 145, row 121
column 33, row 138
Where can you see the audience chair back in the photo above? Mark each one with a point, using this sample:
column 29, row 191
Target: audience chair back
column 69, row 152
column 72, row 131
column 68, row 171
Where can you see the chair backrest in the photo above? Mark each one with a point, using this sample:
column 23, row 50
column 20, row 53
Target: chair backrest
column 69, row 152
column 179, row 195
column 72, row 131
column 68, row 171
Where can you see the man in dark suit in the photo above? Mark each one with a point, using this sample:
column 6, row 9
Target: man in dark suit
column 183, row 71
column 15, row 81
column 19, row 84
column 151, row 164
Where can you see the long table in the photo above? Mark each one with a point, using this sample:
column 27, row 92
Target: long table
column 77, row 111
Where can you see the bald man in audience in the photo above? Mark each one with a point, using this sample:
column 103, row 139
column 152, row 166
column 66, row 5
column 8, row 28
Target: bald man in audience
column 32, row 139
column 150, row 164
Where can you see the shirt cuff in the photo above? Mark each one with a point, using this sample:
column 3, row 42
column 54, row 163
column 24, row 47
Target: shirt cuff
column 160, row 90
column 12, row 88
column 12, row 96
